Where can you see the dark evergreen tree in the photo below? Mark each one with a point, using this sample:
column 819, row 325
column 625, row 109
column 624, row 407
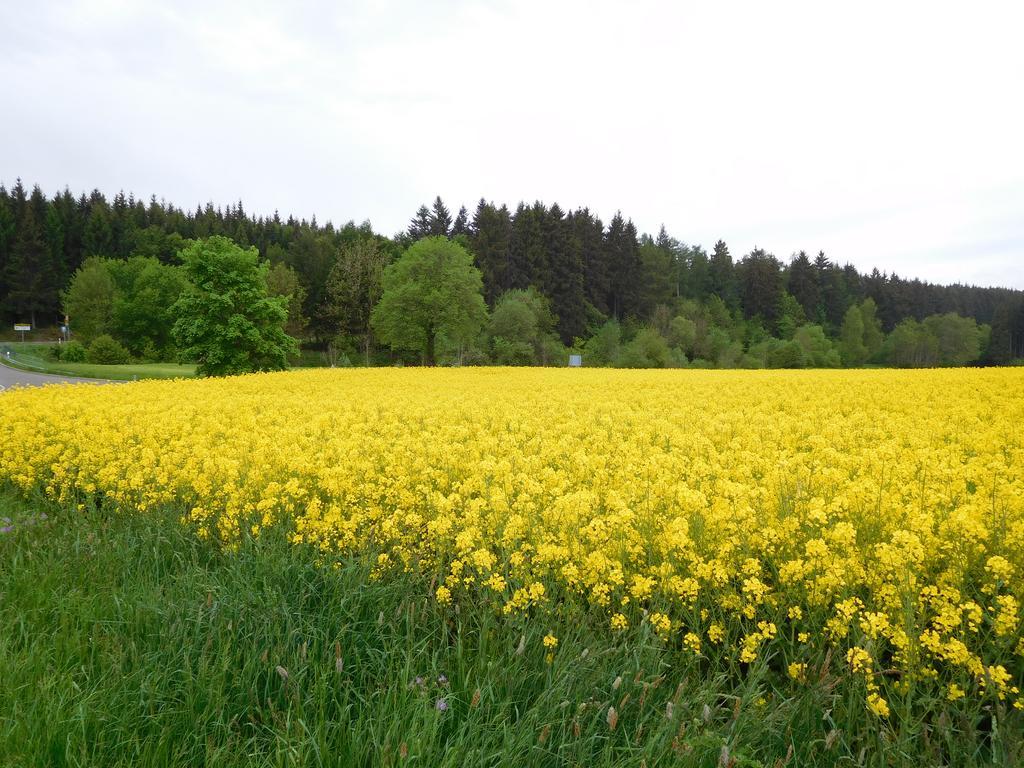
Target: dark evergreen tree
column 625, row 267
column 527, row 256
column 489, row 238
column 761, row 281
column 589, row 232
column 722, row 276
column 461, row 225
column 565, row 257
column 802, row 284
column 698, row 274
column 30, row 276
column 440, row 219
column 421, row 225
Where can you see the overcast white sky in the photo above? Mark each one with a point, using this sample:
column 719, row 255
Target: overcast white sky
column 889, row 134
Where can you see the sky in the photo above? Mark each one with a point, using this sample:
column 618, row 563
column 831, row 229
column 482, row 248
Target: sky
column 888, row 134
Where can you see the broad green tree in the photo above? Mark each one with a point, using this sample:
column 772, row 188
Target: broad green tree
column 227, row 321
column 851, row 338
column 873, row 336
column 433, row 291
column 142, row 316
column 522, row 328
column 89, row 300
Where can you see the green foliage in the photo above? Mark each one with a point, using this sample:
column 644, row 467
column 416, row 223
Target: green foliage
column 142, row 316
column 683, row 334
column 910, row 345
column 941, row 340
column 817, row 349
column 959, row 340
column 70, row 352
column 648, row 349
column 522, row 329
column 791, row 316
column 785, row 354
column 851, row 338
column 105, row 350
column 433, row 291
column 873, row 336
column 284, row 281
column 354, row 287
column 603, row 347
column 227, row 322
column 89, row 300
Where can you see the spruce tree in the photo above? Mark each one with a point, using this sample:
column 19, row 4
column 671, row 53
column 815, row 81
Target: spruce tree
column 490, row 234
column 802, row 283
column 30, row 277
column 566, row 261
column 440, row 219
column 421, row 224
column 461, row 225
column 722, row 276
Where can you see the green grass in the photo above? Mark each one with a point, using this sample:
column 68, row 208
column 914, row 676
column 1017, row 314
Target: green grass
column 127, row 641
column 34, row 357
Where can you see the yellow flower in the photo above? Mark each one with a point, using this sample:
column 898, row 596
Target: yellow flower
column 878, row 705
column 550, row 642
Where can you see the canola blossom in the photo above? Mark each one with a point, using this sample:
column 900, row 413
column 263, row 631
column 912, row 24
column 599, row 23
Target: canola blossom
column 873, row 516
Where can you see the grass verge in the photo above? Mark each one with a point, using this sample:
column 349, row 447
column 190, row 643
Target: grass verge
column 33, row 357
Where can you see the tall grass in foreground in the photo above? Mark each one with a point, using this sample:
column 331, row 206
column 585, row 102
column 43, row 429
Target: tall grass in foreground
column 127, row 641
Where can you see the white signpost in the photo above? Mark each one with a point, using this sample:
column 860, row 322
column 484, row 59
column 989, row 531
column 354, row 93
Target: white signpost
column 575, row 361
column 22, row 327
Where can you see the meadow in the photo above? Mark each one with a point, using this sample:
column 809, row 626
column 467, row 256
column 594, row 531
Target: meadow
column 516, row 567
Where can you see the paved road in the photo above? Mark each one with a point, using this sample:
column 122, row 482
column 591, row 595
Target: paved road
column 12, row 377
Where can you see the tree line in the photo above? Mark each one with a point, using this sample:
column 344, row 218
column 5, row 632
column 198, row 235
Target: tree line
column 550, row 280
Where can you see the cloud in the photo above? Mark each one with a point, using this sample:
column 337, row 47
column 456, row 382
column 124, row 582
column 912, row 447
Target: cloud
column 885, row 134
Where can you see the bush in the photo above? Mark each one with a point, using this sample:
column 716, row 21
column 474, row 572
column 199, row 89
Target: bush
column 105, row 350
column 72, row 352
column 648, row 349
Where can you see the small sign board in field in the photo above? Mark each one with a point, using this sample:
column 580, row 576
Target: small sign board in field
column 22, row 328
column 575, row 361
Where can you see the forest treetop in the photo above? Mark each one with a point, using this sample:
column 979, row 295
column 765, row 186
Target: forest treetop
column 588, row 271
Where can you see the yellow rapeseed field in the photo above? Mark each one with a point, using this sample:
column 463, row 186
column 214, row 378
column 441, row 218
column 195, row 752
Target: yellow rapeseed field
column 877, row 516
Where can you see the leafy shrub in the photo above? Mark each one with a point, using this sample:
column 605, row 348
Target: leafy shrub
column 72, row 352
column 105, row 350
column 508, row 352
